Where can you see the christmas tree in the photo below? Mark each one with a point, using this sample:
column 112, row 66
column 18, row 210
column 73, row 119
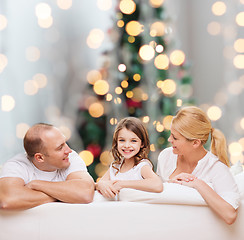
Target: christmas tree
column 143, row 76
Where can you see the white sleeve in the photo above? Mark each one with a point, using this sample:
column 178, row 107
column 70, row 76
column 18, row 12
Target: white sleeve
column 224, row 184
column 76, row 163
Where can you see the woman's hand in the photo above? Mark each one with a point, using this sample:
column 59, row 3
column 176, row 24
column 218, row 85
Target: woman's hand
column 185, row 179
column 106, row 188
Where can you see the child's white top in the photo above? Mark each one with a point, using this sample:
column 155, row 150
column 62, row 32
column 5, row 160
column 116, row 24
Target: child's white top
column 132, row 174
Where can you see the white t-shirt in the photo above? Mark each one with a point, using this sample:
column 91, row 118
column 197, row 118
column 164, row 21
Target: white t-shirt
column 209, row 169
column 132, row 174
column 20, row 166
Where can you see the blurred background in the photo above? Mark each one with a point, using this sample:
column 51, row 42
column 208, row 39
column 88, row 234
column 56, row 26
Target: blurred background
column 84, row 65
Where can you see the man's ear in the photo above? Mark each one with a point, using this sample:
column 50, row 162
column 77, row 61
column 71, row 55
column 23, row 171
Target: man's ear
column 197, row 143
column 39, row 157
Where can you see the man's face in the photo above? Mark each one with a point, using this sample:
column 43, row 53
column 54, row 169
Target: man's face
column 57, row 152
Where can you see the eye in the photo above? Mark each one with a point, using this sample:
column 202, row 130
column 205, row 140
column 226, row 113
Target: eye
column 121, row 140
column 134, row 140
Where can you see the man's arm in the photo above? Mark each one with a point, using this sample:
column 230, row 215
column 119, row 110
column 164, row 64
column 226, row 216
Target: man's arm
column 77, row 188
column 15, row 195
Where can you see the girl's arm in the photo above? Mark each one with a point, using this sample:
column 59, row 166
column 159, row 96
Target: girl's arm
column 150, row 183
column 105, row 186
column 214, row 201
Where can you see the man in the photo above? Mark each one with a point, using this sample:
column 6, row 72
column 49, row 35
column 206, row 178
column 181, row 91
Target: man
column 49, row 171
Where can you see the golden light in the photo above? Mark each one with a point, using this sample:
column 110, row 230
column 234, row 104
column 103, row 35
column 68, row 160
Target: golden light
column 137, row 77
column 40, row 79
column 241, row 141
column 43, row 10
column 100, row 169
column 146, row 52
column 214, row 113
column 64, row 4
column 104, row 5
column 214, row 28
column 95, row 38
column 134, row 28
column 118, row 90
column 146, row 119
column 179, row 103
column 169, row 87
column 113, row 121
column 157, row 29
column 239, row 45
column 159, row 127
column 30, row 87
column 66, row 132
column 152, row 148
column 120, row 23
column 101, row 87
column 45, row 23
column 93, row 76
column 156, row 3
column 87, row 157
column 3, row 62
column 238, row 61
column 177, row 57
column 3, row 22
column 137, row 94
column 235, row 149
column 96, row 110
column 242, row 123
column 109, row 97
column 131, row 39
column 129, row 94
column 144, row 97
column 159, row 48
column 160, row 83
column 127, row 6
column 219, row 8
column 89, row 100
column 7, row 103
column 117, row 100
column 21, row 130
column 124, row 84
column 122, row 67
column 167, row 122
column 106, row 158
column 32, row 54
column 240, row 19
column 161, row 61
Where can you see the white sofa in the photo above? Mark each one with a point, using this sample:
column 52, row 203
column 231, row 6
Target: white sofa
column 177, row 213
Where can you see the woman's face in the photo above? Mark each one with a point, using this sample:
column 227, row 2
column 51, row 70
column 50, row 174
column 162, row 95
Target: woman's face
column 180, row 144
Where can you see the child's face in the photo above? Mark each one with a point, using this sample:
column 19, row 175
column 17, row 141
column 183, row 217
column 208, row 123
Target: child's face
column 129, row 144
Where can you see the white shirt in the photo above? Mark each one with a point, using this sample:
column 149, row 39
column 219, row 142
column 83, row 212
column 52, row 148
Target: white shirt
column 132, row 174
column 209, row 169
column 20, row 166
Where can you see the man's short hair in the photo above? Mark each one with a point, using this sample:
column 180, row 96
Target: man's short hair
column 32, row 141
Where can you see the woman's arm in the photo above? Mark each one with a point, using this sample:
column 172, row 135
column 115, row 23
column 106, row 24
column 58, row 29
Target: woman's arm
column 150, row 183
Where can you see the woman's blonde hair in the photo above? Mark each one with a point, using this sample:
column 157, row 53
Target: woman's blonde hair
column 193, row 123
column 136, row 126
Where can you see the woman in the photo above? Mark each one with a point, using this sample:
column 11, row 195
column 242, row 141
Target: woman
column 188, row 163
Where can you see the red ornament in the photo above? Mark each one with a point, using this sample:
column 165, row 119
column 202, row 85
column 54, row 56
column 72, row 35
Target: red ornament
column 95, row 149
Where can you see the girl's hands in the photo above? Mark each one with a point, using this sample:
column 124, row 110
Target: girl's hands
column 107, row 188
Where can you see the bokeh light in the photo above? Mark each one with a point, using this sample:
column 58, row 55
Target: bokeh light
column 242, row 123
column 235, row 149
column 134, row 28
column 66, row 131
column 32, row 54
column 21, row 130
column 30, row 87
column 219, row 8
column 3, row 62
column 238, row 61
column 96, row 110
column 100, row 169
column 40, row 79
column 167, row 122
column 64, row 4
column 118, row 90
column 3, row 22
column 146, row 52
column 113, row 121
column 156, row 3
column 45, row 23
column 93, row 76
column 240, row 19
column 214, row 28
column 177, row 57
column 157, row 29
column 87, row 157
column 106, row 158
column 95, row 38
column 43, row 10
column 7, row 103
column 214, row 113
column 104, row 5
column 122, row 67
column 168, row 87
column 127, row 6
column 159, row 48
column 101, row 87
column 161, row 61
column 239, row 45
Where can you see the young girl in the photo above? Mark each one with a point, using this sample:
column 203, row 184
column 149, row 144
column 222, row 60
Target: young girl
column 188, row 163
column 131, row 167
